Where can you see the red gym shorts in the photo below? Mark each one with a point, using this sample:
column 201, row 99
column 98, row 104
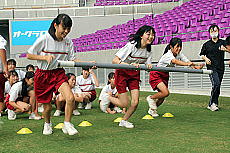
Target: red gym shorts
column 126, row 78
column 2, row 86
column 157, row 77
column 47, row 82
column 8, row 106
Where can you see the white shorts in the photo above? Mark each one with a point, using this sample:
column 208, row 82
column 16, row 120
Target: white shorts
column 104, row 103
column 103, row 107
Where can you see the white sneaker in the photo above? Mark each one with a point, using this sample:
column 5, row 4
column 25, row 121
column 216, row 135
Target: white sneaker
column 47, row 129
column 76, row 112
column 213, row 107
column 153, row 113
column 152, row 102
column 80, row 106
column 68, row 128
column 117, row 109
column 57, row 113
column 11, row 115
column 88, row 105
column 34, row 117
column 126, row 124
column 40, row 109
column 37, row 117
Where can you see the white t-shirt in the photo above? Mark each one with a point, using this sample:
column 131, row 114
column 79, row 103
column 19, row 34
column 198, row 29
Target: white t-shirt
column 46, row 45
column 21, row 74
column 130, row 54
column 104, row 97
column 105, row 91
column 76, row 89
column 15, row 91
column 7, row 87
column 166, row 59
column 86, row 84
column 2, row 46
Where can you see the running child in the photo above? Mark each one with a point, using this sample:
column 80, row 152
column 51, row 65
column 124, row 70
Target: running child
column 60, row 102
column 87, row 83
column 106, row 105
column 159, row 80
column 49, row 79
column 137, row 51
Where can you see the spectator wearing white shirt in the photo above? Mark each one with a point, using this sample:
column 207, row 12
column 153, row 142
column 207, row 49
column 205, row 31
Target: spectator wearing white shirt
column 60, row 101
column 14, row 99
column 11, row 64
column 87, row 83
column 106, row 104
column 13, row 78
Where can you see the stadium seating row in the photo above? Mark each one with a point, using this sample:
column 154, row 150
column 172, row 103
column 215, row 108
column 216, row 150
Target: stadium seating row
column 188, row 22
column 127, row 2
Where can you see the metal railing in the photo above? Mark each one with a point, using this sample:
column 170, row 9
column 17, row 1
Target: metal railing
column 178, row 81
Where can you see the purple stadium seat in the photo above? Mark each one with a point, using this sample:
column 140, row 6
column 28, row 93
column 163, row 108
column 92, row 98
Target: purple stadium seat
column 227, row 15
column 215, row 21
column 227, row 32
column 185, row 37
column 205, row 23
column 222, row 32
column 194, row 36
column 195, row 15
column 204, row 35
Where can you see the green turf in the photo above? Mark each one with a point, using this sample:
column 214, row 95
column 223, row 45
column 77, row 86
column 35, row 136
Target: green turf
column 193, row 129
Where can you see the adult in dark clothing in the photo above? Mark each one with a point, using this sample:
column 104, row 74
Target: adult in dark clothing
column 214, row 57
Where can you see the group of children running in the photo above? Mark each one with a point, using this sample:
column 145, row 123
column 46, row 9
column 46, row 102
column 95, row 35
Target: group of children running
column 71, row 92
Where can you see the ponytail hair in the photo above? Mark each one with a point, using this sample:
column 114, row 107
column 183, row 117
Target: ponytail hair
column 63, row 19
column 24, row 84
column 173, row 42
column 137, row 36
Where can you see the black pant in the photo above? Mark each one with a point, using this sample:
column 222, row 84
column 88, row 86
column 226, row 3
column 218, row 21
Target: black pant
column 216, row 79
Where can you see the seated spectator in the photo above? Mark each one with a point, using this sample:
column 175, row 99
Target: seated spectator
column 87, row 82
column 30, row 68
column 11, row 64
column 14, row 100
column 13, row 78
column 60, row 102
column 107, row 105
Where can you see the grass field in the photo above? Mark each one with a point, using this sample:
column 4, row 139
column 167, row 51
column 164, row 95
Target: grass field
column 193, row 129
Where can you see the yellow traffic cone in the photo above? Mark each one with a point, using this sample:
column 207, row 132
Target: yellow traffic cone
column 147, row 117
column 59, row 126
column 85, row 123
column 118, row 119
column 168, row 115
column 24, row 131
